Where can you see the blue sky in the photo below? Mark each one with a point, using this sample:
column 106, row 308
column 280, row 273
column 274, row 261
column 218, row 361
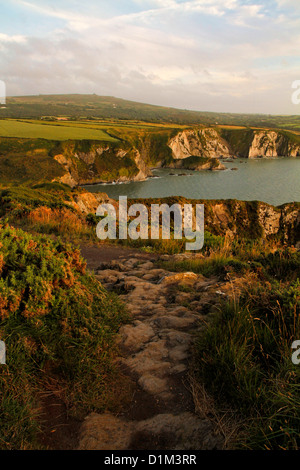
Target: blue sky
column 213, row 55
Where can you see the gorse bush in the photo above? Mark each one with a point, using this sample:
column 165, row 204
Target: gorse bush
column 46, row 208
column 62, row 222
column 19, row 201
column 56, row 321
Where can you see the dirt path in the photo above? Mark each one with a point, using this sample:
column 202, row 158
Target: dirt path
column 167, row 310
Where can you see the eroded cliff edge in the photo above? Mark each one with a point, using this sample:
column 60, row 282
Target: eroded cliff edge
column 242, row 219
column 134, row 153
column 86, row 162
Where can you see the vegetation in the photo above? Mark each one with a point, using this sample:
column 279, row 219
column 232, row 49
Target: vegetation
column 57, row 321
column 107, row 107
column 90, row 151
column 196, row 163
column 239, row 140
column 58, row 324
column 48, row 208
column 243, row 357
column 33, row 130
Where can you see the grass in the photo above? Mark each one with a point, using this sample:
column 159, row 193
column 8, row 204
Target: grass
column 82, row 107
column 49, row 306
column 244, row 360
column 59, row 325
column 93, row 151
column 28, row 130
column 46, row 209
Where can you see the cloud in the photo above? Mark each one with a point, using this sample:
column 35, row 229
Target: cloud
column 6, row 38
column 199, row 54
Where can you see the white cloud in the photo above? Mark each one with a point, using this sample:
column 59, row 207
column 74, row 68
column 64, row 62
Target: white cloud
column 167, row 53
column 6, row 38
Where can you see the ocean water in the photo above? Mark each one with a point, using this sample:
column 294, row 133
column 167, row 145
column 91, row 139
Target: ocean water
column 275, row 181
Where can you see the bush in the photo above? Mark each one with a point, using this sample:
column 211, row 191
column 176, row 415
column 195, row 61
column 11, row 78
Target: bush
column 57, row 320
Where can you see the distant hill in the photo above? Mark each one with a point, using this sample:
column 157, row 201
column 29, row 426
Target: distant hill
column 109, row 107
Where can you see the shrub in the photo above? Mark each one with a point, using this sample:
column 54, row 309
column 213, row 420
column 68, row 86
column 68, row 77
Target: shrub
column 56, row 320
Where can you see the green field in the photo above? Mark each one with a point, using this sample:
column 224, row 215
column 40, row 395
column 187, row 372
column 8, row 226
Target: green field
column 82, row 107
column 27, row 130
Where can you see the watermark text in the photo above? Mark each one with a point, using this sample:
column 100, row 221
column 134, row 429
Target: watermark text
column 2, row 92
column 162, row 222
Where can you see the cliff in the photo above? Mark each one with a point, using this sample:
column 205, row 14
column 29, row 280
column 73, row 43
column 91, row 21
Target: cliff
column 254, row 143
column 134, row 152
column 89, row 162
column 199, row 142
column 240, row 219
column 272, row 144
column 245, row 219
column 198, row 163
column 191, row 149
column 133, row 158
column 254, row 219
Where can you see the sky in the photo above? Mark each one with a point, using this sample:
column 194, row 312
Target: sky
column 210, row 55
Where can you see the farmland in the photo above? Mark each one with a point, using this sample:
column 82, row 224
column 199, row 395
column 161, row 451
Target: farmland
column 81, row 107
column 34, row 130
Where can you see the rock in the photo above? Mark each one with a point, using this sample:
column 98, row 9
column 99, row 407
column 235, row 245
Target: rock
column 146, row 266
column 268, row 143
column 198, row 142
column 105, row 432
column 155, row 355
column 153, row 385
column 151, row 358
column 165, row 257
column 178, row 369
column 175, row 322
column 172, row 278
column 134, row 337
column 175, row 338
column 184, row 431
column 178, row 432
column 178, row 354
column 149, row 277
column 159, row 367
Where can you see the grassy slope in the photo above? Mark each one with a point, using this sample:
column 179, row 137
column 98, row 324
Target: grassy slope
column 34, row 130
column 253, row 360
column 31, row 160
column 59, row 325
column 46, row 208
column 93, row 106
column 27, row 160
column 243, row 357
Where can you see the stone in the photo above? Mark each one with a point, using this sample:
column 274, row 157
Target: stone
column 105, row 432
column 153, row 385
column 184, row 431
column 146, row 266
column 174, row 322
column 134, row 337
column 178, row 354
column 178, row 369
column 173, row 278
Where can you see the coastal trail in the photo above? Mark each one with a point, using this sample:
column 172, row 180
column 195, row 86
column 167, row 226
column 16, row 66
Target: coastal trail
column 167, row 312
